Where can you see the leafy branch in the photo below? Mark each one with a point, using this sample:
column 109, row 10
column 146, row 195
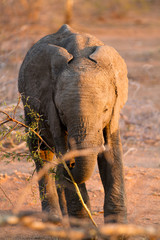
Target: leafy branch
column 11, row 119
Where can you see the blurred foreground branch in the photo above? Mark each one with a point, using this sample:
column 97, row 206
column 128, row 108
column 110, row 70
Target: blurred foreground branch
column 81, row 231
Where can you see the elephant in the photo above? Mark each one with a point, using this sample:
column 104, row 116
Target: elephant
column 77, row 86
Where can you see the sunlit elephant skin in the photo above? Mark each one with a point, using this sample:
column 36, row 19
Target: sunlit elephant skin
column 78, row 85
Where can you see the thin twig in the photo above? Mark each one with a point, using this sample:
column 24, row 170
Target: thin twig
column 129, row 150
column 5, row 121
column 15, row 109
column 125, row 118
column 9, row 131
column 6, row 196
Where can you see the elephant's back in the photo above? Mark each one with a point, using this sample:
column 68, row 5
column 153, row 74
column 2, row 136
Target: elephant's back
column 77, row 44
column 71, row 40
column 67, row 38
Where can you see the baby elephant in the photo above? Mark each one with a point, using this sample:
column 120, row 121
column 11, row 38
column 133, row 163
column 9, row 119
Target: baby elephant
column 76, row 86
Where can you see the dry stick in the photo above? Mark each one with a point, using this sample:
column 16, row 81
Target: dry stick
column 6, row 196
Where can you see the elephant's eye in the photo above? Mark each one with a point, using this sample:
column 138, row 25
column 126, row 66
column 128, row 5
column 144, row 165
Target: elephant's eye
column 92, row 59
column 105, row 109
column 70, row 61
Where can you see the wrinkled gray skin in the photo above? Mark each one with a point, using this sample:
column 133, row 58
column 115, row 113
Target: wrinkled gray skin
column 78, row 85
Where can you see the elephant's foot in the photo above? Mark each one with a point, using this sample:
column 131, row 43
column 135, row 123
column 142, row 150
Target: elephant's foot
column 50, row 214
column 114, row 218
column 51, row 217
column 115, row 214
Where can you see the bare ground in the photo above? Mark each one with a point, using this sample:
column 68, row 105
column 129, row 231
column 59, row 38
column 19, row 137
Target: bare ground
column 139, row 43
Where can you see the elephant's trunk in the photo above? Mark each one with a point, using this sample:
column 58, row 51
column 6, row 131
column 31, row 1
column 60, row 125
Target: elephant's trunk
column 85, row 165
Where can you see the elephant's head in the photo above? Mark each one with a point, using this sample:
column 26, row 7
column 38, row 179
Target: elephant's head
column 89, row 89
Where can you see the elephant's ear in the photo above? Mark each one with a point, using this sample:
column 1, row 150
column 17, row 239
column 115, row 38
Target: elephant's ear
column 110, row 60
column 59, row 58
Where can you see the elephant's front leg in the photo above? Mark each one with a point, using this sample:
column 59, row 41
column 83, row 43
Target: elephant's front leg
column 111, row 172
column 74, row 205
column 69, row 200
